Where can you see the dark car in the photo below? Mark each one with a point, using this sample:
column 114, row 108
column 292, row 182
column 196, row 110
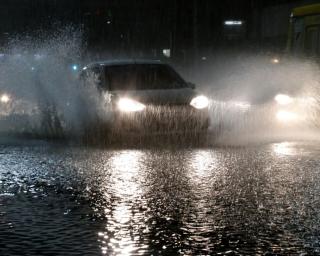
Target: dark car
column 147, row 96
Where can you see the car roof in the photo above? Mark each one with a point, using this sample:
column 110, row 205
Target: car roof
column 122, row 62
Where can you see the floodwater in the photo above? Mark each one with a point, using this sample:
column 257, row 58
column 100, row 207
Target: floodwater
column 255, row 200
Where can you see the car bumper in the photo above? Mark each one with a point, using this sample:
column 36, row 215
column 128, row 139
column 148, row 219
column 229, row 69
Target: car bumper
column 162, row 120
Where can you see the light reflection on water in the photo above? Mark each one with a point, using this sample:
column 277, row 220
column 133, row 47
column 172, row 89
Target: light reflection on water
column 120, row 238
column 201, row 162
column 125, row 166
column 295, row 149
column 284, row 148
column 203, row 171
column 237, row 201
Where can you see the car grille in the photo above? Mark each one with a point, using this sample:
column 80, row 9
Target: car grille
column 164, row 119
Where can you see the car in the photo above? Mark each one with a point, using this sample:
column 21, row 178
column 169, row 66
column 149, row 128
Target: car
column 147, row 97
column 276, row 110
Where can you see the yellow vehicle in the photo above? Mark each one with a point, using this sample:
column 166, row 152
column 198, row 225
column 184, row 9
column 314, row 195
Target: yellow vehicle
column 304, row 31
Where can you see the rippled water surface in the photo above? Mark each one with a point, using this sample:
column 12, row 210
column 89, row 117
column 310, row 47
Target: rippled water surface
column 261, row 200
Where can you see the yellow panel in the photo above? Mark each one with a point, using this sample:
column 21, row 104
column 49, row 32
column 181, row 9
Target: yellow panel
column 312, row 20
column 306, row 10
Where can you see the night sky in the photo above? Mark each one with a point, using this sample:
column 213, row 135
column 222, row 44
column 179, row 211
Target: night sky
column 133, row 24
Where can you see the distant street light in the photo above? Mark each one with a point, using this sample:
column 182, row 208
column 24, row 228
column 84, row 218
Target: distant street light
column 166, row 52
column 74, row 67
column 233, row 23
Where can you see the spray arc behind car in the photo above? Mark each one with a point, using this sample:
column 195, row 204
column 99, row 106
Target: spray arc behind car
column 146, row 97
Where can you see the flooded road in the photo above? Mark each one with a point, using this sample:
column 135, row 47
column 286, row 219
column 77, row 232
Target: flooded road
column 258, row 200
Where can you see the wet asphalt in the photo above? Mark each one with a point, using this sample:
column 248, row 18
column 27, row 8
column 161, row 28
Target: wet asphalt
column 73, row 200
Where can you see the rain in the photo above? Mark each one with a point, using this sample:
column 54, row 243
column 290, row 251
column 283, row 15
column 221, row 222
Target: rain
column 159, row 127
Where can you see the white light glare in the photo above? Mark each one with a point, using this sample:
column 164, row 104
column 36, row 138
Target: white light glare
column 283, row 99
column 275, row 61
column 4, row 98
column 166, row 53
column 286, row 116
column 200, row 102
column 75, row 67
column 233, row 23
column 128, row 105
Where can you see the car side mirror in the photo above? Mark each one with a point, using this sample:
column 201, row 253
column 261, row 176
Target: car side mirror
column 191, row 85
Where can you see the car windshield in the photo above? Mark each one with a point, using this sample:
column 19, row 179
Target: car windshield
column 142, row 77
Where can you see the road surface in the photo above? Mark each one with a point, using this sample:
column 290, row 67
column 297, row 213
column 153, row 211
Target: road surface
column 254, row 200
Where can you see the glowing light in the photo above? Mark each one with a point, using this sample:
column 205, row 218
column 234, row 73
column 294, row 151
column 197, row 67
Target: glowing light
column 283, row 99
column 4, row 98
column 275, row 60
column 128, row 105
column 286, row 116
column 75, row 67
column 200, row 102
column 233, row 23
column 166, row 52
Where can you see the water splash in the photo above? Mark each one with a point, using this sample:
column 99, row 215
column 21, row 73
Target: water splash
column 39, row 77
column 41, row 93
column 243, row 88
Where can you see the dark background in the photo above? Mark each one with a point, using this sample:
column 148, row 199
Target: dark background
column 144, row 28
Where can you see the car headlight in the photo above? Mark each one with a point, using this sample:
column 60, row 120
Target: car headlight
column 5, row 98
column 129, row 105
column 200, row 102
column 286, row 116
column 283, row 99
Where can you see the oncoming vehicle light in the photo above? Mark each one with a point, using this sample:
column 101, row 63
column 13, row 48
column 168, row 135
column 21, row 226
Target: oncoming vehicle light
column 129, row 105
column 200, row 102
column 275, row 61
column 4, row 98
column 283, row 99
column 286, row 116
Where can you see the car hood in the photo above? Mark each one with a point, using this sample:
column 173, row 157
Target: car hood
column 160, row 97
